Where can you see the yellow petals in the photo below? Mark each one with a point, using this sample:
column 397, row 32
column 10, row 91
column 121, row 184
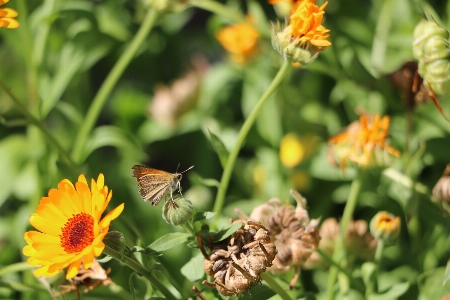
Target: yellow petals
column 291, row 150
column 70, row 227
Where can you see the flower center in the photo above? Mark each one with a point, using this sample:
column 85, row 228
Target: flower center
column 77, row 233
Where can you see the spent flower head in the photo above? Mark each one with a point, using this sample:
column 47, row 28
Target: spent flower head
column 237, row 262
column 442, row 188
column 294, row 235
column 302, row 39
column 7, row 16
column 70, row 227
column 240, row 40
column 363, row 142
column 359, row 243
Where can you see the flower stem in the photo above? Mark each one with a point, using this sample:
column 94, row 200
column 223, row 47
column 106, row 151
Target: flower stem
column 219, row 9
column 109, row 83
column 275, row 286
column 141, row 270
column 38, row 124
column 339, row 251
column 373, row 286
column 243, row 134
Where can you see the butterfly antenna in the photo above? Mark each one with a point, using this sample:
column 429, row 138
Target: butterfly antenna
column 186, row 169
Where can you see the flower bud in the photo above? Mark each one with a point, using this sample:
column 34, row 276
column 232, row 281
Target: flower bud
column 177, row 211
column 429, row 41
column 385, row 226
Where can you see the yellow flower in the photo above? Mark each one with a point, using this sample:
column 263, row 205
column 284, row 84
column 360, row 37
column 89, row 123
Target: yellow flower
column 292, row 150
column 240, row 40
column 70, row 228
column 305, row 36
column 7, row 15
column 363, row 142
column 385, row 226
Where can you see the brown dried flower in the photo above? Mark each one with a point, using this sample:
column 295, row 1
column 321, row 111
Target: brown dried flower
column 359, row 243
column 90, row 279
column 236, row 263
column 295, row 236
column 442, row 188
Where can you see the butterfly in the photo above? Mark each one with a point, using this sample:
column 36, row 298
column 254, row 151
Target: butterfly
column 154, row 184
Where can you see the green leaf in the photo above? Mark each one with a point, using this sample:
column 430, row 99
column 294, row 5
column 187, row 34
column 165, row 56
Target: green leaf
column 259, row 291
column 447, row 273
column 115, row 240
column 203, row 215
column 219, row 147
column 197, row 179
column 130, row 282
column 113, row 136
column 227, row 231
column 393, row 293
column 193, row 269
column 169, row 240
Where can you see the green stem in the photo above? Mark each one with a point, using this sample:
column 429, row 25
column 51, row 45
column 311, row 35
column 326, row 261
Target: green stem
column 136, row 266
column 219, row 9
column 339, row 251
column 109, row 83
column 275, row 286
column 372, row 285
column 17, row 267
column 38, row 124
column 243, row 134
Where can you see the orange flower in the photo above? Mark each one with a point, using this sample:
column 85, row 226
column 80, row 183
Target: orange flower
column 304, row 37
column 240, row 40
column 363, row 142
column 306, row 24
column 7, row 15
column 70, row 227
column 385, row 226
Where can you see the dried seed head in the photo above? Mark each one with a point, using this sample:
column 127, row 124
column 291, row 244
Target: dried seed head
column 90, row 278
column 294, row 235
column 236, row 263
column 359, row 243
column 442, row 188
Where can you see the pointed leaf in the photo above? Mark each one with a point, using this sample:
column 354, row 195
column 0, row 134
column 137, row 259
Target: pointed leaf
column 115, row 240
column 447, row 273
column 219, row 147
column 203, row 215
column 169, row 240
column 193, row 270
column 227, row 231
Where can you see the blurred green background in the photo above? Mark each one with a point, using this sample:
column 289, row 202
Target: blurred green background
column 56, row 61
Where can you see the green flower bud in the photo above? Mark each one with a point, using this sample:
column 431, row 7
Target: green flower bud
column 385, row 226
column 429, row 39
column 437, row 75
column 292, row 48
column 177, row 211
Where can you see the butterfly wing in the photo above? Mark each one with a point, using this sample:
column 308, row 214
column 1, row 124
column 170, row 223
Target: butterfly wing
column 154, row 184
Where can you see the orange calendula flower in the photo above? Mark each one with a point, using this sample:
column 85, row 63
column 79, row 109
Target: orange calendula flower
column 305, row 36
column 240, row 40
column 7, row 15
column 70, row 227
column 363, row 142
column 385, row 226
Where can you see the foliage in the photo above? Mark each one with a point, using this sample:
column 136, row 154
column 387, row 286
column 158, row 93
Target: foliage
column 91, row 87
